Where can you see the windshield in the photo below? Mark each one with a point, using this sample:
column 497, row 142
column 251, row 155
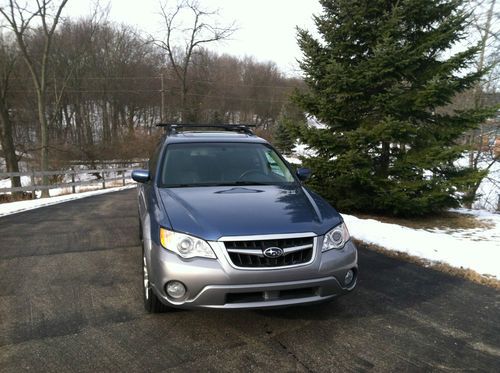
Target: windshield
column 213, row 164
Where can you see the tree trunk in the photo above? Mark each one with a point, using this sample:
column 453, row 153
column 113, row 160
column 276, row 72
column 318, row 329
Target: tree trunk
column 115, row 121
column 89, row 135
column 44, row 141
column 7, row 141
column 131, row 114
column 68, row 133
column 384, row 159
column 184, row 113
column 106, row 131
column 79, row 133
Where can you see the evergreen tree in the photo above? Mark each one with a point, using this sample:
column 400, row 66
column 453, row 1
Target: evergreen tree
column 289, row 119
column 376, row 78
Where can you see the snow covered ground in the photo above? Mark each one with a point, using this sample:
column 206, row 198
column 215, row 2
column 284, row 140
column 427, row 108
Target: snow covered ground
column 476, row 249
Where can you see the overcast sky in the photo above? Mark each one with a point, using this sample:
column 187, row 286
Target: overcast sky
column 266, row 27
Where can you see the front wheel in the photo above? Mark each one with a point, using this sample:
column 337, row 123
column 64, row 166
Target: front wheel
column 151, row 302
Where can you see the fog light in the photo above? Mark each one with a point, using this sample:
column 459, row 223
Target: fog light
column 175, row 289
column 349, row 276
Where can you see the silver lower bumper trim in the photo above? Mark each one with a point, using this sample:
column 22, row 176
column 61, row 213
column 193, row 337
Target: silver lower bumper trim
column 215, row 296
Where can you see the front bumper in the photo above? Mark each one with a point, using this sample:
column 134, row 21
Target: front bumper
column 219, row 284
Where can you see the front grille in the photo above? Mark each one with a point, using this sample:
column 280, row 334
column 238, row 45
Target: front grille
column 249, row 254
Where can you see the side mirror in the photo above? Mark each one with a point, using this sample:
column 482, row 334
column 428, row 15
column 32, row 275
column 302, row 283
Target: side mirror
column 303, row 173
column 141, row 176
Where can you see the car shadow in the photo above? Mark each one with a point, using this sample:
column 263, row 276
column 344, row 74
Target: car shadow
column 384, row 284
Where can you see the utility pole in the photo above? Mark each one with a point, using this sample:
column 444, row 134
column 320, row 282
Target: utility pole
column 162, row 112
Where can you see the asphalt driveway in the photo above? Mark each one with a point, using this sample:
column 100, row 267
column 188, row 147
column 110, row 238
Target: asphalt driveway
column 70, row 300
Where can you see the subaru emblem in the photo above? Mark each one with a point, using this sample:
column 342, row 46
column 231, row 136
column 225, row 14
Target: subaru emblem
column 273, row 252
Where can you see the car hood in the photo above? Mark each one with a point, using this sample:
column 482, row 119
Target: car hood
column 214, row 212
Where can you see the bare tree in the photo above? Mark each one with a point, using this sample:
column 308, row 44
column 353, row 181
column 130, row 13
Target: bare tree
column 7, row 66
column 203, row 29
column 102, row 87
column 486, row 23
column 20, row 18
column 486, row 30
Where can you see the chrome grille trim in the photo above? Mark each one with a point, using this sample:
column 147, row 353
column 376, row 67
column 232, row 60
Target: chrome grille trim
column 259, row 252
column 297, row 248
column 264, row 237
column 252, row 255
column 247, row 251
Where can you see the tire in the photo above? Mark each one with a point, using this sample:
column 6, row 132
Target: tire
column 151, row 302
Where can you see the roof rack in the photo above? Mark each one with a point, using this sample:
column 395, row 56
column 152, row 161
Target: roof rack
column 172, row 128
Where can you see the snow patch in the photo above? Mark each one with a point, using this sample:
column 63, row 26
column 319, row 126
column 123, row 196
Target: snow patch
column 476, row 249
column 489, row 190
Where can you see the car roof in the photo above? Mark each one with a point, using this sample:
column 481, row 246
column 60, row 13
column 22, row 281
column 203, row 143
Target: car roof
column 212, row 136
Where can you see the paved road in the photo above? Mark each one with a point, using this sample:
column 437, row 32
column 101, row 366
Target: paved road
column 70, row 300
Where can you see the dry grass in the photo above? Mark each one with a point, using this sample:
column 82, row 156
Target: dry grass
column 446, row 221
column 5, row 198
column 467, row 274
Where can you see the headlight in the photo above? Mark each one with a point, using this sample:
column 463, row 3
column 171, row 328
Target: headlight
column 184, row 245
column 336, row 238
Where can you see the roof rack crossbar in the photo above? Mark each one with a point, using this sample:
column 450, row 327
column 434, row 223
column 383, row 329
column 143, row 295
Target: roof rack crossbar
column 174, row 127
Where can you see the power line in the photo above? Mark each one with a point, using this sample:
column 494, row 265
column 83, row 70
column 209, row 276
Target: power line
column 158, row 78
column 141, row 91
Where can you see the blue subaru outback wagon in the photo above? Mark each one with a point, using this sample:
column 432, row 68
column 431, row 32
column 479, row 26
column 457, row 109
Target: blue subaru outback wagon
column 226, row 223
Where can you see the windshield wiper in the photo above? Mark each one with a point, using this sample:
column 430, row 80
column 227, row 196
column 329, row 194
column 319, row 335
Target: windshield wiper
column 233, row 183
column 238, row 183
column 250, row 183
column 179, row 185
